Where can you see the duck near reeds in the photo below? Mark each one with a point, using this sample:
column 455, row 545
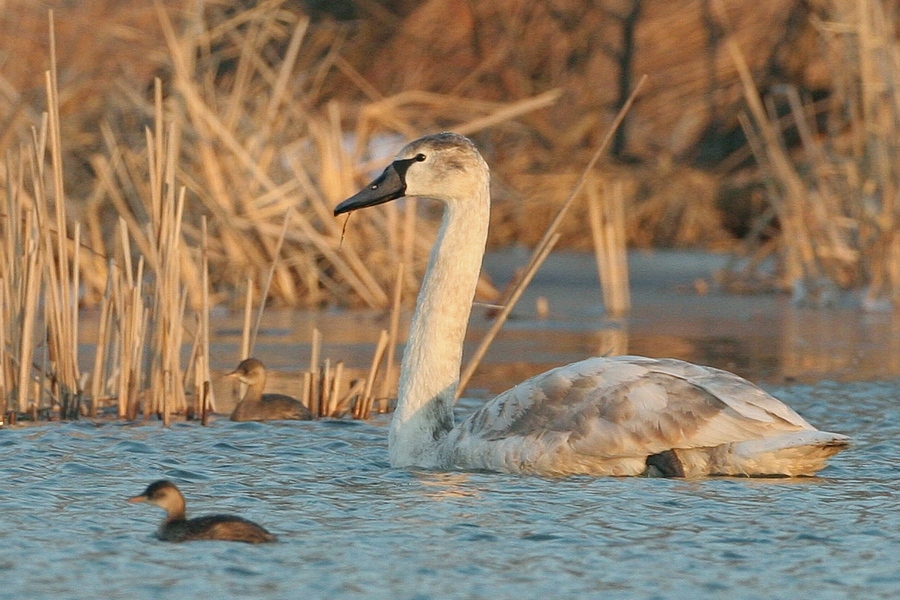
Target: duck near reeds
column 625, row 415
column 257, row 406
column 177, row 528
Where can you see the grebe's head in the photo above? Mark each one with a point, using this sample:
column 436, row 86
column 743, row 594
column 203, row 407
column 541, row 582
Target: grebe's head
column 163, row 494
column 250, row 371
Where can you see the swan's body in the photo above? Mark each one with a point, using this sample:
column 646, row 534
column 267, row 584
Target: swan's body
column 601, row 416
column 257, row 406
column 176, row 527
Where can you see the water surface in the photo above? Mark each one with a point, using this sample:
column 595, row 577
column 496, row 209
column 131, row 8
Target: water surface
column 352, row 527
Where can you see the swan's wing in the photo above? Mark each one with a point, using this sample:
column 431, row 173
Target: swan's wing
column 627, row 407
column 738, row 394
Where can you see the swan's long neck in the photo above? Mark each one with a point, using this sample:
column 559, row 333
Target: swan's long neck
column 430, row 370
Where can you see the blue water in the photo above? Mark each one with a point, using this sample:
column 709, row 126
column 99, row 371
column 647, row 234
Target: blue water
column 352, row 527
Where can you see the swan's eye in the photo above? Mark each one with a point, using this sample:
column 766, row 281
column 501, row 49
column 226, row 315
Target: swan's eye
column 420, row 157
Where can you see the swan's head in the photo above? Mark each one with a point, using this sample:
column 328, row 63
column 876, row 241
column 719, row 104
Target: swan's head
column 250, row 371
column 444, row 166
column 163, row 494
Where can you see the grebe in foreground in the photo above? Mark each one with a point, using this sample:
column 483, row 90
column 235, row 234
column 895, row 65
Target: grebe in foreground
column 625, row 415
column 256, row 406
column 176, row 528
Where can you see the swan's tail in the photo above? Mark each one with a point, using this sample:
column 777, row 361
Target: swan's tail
column 798, row 453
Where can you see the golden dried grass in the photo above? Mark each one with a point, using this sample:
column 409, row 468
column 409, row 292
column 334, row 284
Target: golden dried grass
column 264, row 98
column 251, row 142
column 836, row 201
column 248, row 126
column 141, row 326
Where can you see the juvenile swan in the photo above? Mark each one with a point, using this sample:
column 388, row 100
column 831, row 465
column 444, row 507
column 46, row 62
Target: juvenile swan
column 626, row 415
column 256, row 406
column 177, row 528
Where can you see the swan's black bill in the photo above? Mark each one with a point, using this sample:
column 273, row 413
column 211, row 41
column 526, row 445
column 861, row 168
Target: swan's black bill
column 390, row 185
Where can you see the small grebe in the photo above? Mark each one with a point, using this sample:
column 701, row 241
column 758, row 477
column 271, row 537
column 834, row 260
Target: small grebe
column 176, row 528
column 257, row 406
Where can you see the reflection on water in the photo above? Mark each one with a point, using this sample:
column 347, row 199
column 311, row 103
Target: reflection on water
column 441, row 486
column 843, row 344
column 761, row 338
column 764, row 338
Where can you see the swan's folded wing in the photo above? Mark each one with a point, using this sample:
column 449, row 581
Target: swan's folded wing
column 628, row 407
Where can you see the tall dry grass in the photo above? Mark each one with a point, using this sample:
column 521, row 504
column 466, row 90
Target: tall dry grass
column 185, row 207
column 45, row 261
column 256, row 137
column 40, row 275
column 836, row 201
column 198, row 156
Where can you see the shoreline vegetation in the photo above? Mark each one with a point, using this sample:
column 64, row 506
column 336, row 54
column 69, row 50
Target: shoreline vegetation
column 196, row 163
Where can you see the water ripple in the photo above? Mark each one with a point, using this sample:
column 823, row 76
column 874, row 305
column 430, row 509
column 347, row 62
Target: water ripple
column 352, row 527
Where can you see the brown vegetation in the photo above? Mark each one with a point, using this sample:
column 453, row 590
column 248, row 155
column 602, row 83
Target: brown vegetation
column 836, row 202
column 158, row 157
column 292, row 105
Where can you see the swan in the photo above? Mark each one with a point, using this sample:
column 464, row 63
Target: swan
column 619, row 416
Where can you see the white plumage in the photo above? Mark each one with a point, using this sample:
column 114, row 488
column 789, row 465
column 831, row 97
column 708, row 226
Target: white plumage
column 625, row 415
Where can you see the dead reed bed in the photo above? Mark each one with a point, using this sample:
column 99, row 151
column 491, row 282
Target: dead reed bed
column 177, row 217
column 142, row 305
column 255, row 138
column 281, row 111
column 278, row 109
column 216, row 160
column 40, row 276
column 277, row 112
column 834, row 202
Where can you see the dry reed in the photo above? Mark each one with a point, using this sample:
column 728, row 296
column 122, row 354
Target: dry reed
column 836, row 201
column 145, row 272
column 607, row 221
column 390, row 375
column 40, row 276
column 243, row 146
column 363, row 407
column 249, row 147
column 240, row 147
column 141, row 320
